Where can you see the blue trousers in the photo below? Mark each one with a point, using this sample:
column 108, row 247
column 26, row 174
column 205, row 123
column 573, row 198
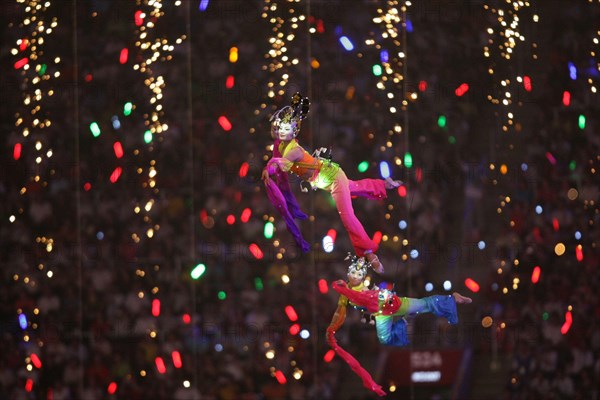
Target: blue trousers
column 394, row 333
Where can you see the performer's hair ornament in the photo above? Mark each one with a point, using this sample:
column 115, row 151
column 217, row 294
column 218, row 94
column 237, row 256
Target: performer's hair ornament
column 358, row 263
column 292, row 114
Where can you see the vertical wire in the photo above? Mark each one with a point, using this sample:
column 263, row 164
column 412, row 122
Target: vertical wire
column 192, row 227
column 78, row 241
column 314, row 311
column 406, row 150
column 190, row 128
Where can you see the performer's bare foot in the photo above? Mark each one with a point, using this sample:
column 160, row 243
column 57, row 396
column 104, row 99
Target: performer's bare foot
column 375, row 263
column 392, row 184
column 460, row 299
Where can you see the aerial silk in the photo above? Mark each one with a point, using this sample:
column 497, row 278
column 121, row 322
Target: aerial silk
column 281, row 196
column 366, row 378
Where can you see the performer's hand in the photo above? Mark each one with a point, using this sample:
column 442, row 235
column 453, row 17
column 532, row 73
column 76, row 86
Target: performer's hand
column 305, row 186
column 265, row 175
column 340, row 282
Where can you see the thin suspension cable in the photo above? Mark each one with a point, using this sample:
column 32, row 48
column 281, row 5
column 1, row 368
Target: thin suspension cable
column 406, row 180
column 314, row 311
column 78, row 241
column 406, row 134
column 192, row 227
column 405, row 129
column 190, row 125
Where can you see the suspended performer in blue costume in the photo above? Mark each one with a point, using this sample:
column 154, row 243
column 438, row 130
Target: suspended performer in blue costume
column 384, row 305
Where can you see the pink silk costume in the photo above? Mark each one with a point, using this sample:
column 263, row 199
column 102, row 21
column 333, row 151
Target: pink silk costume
column 335, row 325
column 327, row 175
column 370, row 299
column 386, row 305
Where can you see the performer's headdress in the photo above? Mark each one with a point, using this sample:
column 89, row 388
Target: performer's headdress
column 292, row 114
column 358, row 263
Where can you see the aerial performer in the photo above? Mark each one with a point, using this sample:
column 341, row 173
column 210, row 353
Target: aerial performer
column 383, row 305
column 317, row 171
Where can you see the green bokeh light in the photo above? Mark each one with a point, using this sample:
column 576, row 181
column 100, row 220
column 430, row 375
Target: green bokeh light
column 198, row 271
column 442, row 121
column 95, row 128
column 363, row 166
column 408, row 161
column 127, row 108
column 377, row 71
column 268, row 230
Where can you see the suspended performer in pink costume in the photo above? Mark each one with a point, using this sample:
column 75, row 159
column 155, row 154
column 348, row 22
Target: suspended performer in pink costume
column 357, row 273
column 320, row 173
column 383, row 305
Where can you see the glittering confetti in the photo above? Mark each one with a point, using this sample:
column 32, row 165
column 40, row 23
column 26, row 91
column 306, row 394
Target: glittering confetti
column 285, row 19
column 505, row 42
